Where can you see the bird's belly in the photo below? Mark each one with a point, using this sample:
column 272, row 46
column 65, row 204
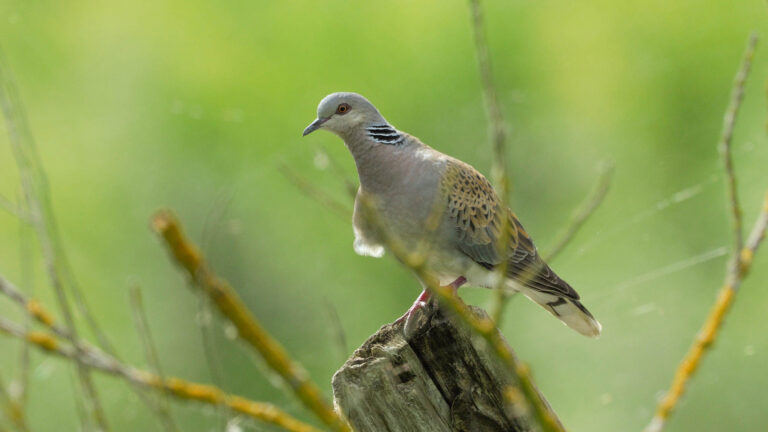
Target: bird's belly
column 447, row 267
column 443, row 259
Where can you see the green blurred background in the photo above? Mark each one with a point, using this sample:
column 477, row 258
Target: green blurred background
column 193, row 105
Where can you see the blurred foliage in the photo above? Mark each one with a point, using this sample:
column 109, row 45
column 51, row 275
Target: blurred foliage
column 192, row 105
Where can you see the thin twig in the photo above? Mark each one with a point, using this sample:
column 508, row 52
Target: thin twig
column 213, row 221
column 25, row 259
column 708, row 332
column 315, row 193
column 32, row 307
column 36, row 191
column 189, row 258
column 12, row 409
column 582, row 213
column 349, row 185
column 93, row 358
column 34, row 185
column 110, row 364
column 8, row 206
column 738, row 266
column 490, row 95
column 43, row 316
column 580, row 216
column 729, row 121
column 206, row 338
column 150, row 352
column 498, row 133
column 39, row 213
column 500, row 302
column 338, row 330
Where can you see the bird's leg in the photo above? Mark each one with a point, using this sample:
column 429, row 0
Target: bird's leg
column 461, row 280
column 426, row 295
column 420, row 302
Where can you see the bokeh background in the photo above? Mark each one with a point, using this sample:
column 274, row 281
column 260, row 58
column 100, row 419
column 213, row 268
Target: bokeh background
column 194, row 105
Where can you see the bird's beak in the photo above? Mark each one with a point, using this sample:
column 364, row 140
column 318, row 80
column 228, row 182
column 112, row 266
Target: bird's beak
column 315, row 125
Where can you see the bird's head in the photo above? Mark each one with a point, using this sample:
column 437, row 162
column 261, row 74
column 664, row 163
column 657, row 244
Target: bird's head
column 343, row 112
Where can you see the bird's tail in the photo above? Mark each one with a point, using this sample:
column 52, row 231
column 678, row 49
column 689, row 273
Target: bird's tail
column 569, row 310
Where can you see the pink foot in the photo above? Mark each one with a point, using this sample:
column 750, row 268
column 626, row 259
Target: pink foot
column 425, row 296
column 420, row 302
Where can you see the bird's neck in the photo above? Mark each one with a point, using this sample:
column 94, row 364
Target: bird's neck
column 378, row 165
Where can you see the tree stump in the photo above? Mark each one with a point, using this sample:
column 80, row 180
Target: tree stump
column 441, row 377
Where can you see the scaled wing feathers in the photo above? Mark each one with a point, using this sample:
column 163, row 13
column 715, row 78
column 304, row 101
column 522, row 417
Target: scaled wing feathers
column 476, row 210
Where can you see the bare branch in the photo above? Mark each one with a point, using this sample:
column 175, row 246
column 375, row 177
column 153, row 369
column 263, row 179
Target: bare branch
column 498, row 132
column 189, row 258
column 12, row 209
column 315, row 193
column 578, row 219
column 25, row 260
column 150, row 352
column 753, row 241
column 42, row 315
column 338, row 329
column 729, row 121
column 708, row 333
column 349, row 185
column 212, row 361
column 35, row 187
column 12, row 410
column 582, row 213
column 738, row 266
column 93, row 358
column 492, row 105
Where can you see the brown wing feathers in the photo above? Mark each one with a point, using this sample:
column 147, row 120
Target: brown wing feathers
column 475, row 208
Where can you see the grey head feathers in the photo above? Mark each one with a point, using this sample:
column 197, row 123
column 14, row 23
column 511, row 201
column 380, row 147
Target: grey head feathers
column 348, row 114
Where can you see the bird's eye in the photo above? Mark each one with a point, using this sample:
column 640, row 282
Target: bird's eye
column 342, row 108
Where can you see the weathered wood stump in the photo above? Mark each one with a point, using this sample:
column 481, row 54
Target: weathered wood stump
column 442, row 377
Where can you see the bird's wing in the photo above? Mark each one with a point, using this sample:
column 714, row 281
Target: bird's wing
column 476, row 210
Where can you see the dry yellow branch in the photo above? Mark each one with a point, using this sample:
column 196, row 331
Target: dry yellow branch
column 249, row 329
column 739, row 264
column 37, row 312
column 708, row 333
column 34, row 185
column 94, row 358
column 214, row 396
column 13, row 410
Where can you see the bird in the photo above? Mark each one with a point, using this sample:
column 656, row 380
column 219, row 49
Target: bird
column 443, row 208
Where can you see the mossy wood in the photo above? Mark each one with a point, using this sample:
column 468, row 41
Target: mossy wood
column 441, row 378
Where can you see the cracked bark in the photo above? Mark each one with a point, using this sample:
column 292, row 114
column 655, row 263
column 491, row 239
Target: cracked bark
column 441, row 377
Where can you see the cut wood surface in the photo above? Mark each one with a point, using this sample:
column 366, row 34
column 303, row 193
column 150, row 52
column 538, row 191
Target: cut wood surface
column 441, row 377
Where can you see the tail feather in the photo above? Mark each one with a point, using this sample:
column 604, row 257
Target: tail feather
column 570, row 311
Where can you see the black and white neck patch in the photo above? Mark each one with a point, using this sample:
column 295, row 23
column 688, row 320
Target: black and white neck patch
column 384, row 134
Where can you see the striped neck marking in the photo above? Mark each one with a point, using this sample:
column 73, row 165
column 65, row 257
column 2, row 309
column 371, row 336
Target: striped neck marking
column 384, row 134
